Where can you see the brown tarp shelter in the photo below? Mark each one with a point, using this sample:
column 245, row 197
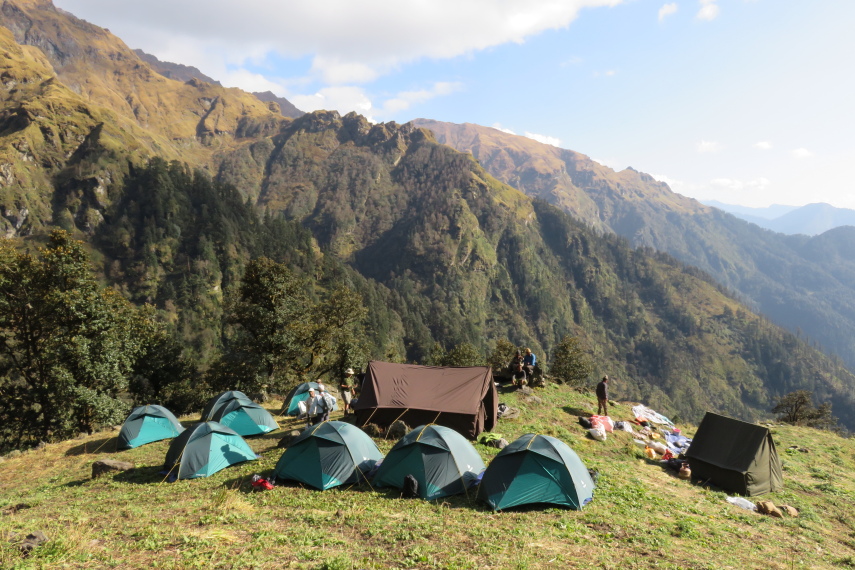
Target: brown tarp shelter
column 461, row 398
column 737, row 456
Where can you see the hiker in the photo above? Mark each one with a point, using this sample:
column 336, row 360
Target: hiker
column 347, row 389
column 517, row 371
column 529, row 361
column 327, row 402
column 319, row 405
column 603, row 397
column 313, row 408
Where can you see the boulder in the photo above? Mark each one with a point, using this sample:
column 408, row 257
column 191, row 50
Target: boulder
column 787, row 509
column 398, row 430
column 103, row 466
column 288, row 438
column 32, row 541
column 769, row 508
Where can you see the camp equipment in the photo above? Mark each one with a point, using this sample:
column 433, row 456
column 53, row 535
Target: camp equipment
column 245, row 417
column 217, row 401
column 536, row 469
column 328, row 454
column 443, row 462
column 146, row 424
column 737, row 456
column 204, row 449
column 462, row 398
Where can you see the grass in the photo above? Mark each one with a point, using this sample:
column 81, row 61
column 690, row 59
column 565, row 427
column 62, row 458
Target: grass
column 641, row 516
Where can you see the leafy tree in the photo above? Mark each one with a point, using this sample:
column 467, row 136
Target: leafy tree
column 502, row 354
column 282, row 335
column 570, row 363
column 67, row 346
column 797, row 408
column 464, row 354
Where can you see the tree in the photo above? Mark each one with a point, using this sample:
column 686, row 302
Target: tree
column 282, row 335
column 501, row 355
column 797, row 408
column 570, row 363
column 67, row 346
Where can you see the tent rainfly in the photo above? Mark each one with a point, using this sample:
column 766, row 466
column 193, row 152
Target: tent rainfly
column 327, row 455
column 462, row 398
column 146, row 424
column 737, row 456
column 442, row 461
column 245, row 417
column 218, row 401
column 204, row 449
column 536, row 469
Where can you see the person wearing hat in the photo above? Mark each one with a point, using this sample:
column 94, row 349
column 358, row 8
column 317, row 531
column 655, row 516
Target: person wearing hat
column 319, row 406
column 312, row 407
column 603, row 397
column 347, row 389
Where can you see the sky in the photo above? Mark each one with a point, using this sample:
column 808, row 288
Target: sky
column 747, row 102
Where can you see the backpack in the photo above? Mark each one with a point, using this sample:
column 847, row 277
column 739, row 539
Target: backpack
column 411, row 487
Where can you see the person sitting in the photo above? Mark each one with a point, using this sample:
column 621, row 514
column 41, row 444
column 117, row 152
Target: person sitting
column 529, row 361
column 517, row 371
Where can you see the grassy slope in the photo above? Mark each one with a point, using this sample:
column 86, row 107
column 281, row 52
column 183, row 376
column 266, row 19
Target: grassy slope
column 641, row 516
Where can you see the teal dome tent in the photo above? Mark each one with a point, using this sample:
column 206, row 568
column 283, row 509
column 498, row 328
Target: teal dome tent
column 204, row 449
column 245, row 417
column 217, row 402
column 442, row 461
column 536, row 469
column 146, row 424
column 327, row 455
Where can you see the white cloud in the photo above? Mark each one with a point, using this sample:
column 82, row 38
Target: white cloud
column 499, row 127
column 755, row 185
column 672, row 183
column 709, row 10
column 666, row 10
column 611, row 162
column 344, row 41
column 543, row 139
column 406, row 99
column 801, row 153
column 763, row 145
column 342, row 99
column 708, row 146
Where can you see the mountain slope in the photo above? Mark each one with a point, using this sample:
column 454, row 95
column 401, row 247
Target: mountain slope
column 812, row 219
column 769, row 271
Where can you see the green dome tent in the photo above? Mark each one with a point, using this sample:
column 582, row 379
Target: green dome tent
column 442, row 461
column 204, row 449
column 218, row 401
column 299, row 393
column 327, row 455
column 536, row 469
column 146, row 424
column 245, row 417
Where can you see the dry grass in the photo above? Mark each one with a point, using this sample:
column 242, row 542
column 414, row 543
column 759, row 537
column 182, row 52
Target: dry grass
column 641, row 516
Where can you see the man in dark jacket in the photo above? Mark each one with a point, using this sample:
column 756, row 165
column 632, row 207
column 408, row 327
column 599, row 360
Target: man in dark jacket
column 603, row 397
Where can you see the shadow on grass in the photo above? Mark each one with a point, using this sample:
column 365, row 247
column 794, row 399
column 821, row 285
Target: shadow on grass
column 104, row 445
column 577, row 411
column 141, row 475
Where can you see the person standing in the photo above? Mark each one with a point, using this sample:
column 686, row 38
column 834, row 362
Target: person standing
column 603, row 397
column 313, row 408
column 347, row 389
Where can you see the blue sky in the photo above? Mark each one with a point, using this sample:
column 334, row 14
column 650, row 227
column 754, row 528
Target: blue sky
column 744, row 101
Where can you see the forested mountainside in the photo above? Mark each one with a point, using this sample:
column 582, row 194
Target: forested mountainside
column 787, row 278
column 438, row 250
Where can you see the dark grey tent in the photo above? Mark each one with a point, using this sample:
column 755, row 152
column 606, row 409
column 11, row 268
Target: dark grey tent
column 461, row 398
column 737, row 456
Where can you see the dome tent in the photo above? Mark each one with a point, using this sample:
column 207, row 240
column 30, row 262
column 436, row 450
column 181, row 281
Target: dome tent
column 536, row 469
column 220, row 400
column 327, row 455
column 146, row 424
column 204, row 449
column 300, row 393
column 443, row 462
column 245, row 417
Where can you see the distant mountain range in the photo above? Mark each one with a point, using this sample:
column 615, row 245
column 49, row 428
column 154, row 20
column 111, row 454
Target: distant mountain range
column 812, row 219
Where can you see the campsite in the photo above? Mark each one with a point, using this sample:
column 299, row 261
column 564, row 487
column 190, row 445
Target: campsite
column 641, row 515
